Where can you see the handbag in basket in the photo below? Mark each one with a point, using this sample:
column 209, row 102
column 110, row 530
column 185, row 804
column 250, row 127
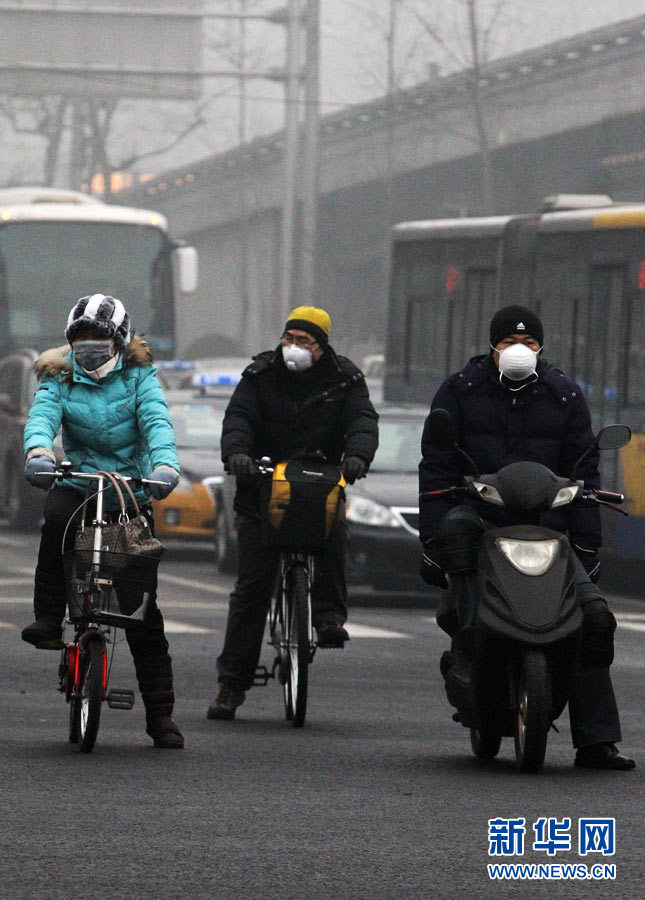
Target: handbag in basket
column 130, row 536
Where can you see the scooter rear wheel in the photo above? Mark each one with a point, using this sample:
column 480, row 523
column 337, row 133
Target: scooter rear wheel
column 485, row 744
column 533, row 714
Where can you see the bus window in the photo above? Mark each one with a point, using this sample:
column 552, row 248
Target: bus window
column 426, row 322
column 605, row 342
column 472, row 321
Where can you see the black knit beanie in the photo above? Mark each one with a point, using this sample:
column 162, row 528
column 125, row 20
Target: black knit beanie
column 515, row 320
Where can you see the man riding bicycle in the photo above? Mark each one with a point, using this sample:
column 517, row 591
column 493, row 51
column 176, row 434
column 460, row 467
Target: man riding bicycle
column 104, row 392
column 301, row 397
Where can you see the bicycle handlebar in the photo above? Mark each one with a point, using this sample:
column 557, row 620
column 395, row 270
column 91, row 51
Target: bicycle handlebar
column 62, row 474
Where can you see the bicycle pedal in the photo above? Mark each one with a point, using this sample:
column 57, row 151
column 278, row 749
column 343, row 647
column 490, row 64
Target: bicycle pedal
column 262, row 676
column 120, row 698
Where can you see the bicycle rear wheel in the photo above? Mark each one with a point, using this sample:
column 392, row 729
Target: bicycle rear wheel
column 296, row 633
column 91, row 695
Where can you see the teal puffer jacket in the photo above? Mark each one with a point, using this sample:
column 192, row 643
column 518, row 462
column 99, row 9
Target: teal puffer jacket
column 120, row 423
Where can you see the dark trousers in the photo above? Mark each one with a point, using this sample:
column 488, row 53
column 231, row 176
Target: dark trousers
column 251, row 596
column 593, row 712
column 146, row 639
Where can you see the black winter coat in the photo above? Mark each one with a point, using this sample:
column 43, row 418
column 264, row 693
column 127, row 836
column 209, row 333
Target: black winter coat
column 546, row 422
column 277, row 413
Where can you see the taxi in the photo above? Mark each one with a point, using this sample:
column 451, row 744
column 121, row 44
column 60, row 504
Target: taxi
column 190, row 511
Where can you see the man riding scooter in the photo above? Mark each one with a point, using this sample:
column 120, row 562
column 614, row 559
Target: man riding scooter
column 507, row 406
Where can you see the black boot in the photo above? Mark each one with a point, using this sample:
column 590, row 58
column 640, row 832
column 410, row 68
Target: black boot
column 154, row 674
column 49, row 608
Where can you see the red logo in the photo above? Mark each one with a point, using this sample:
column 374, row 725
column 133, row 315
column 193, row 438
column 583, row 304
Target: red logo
column 452, row 279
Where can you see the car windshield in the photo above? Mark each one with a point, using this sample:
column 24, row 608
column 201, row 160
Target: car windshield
column 399, row 447
column 197, row 424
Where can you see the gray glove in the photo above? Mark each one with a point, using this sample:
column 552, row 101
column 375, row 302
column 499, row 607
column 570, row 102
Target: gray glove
column 241, row 465
column 169, row 478
column 353, row 468
column 40, row 464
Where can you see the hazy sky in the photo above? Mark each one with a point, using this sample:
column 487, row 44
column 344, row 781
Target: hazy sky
column 353, row 68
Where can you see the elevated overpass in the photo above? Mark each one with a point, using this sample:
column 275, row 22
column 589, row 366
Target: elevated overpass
column 569, row 116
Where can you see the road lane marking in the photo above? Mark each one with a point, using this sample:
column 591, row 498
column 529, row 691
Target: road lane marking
column 173, row 627
column 369, row 631
column 6, row 625
column 632, row 626
column 206, row 586
column 17, row 601
column 12, row 541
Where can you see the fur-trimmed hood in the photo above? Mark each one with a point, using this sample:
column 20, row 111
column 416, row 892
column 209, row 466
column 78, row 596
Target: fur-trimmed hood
column 58, row 361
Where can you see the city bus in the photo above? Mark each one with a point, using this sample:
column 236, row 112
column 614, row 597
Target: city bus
column 59, row 245
column 580, row 264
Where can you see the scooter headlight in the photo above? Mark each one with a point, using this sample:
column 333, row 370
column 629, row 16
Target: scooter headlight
column 530, row 557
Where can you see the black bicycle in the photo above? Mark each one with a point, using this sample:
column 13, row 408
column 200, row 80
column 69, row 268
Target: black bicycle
column 291, row 526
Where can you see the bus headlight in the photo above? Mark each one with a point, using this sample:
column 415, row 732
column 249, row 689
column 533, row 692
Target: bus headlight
column 364, row 511
column 530, row 557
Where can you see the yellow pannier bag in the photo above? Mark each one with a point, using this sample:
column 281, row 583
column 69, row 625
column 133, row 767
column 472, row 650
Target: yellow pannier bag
column 300, row 503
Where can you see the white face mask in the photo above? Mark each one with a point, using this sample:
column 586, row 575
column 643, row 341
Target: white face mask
column 297, row 359
column 517, row 362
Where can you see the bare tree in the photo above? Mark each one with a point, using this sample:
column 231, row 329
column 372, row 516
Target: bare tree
column 43, row 116
column 465, row 41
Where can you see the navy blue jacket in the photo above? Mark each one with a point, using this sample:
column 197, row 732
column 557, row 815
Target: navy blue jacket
column 546, row 422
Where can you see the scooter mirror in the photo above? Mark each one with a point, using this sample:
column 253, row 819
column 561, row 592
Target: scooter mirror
column 442, row 429
column 612, row 437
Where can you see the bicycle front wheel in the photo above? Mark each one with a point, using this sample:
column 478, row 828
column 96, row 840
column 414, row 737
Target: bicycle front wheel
column 91, row 695
column 296, row 625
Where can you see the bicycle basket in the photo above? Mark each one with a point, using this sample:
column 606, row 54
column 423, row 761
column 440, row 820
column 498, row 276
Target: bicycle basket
column 116, row 591
column 299, row 506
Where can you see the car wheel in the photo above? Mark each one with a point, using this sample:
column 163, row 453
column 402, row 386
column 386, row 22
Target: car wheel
column 225, row 543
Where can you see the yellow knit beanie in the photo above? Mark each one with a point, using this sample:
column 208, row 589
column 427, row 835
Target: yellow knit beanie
column 314, row 321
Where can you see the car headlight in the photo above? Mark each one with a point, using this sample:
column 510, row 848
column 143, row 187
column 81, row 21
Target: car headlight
column 530, row 557
column 368, row 512
column 565, row 495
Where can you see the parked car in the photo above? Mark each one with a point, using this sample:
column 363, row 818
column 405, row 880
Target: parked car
column 21, row 505
column 373, row 367
column 383, row 508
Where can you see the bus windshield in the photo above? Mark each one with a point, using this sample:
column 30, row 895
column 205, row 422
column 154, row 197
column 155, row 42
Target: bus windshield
column 46, row 266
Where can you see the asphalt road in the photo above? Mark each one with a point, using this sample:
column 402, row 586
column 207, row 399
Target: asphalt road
column 378, row 796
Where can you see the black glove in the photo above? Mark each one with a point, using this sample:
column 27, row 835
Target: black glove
column 241, row 465
column 431, row 571
column 353, row 468
column 39, row 464
column 589, row 559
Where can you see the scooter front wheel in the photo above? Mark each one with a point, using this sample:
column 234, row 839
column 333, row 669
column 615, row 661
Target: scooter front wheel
column 485, row 744
column 533, row 712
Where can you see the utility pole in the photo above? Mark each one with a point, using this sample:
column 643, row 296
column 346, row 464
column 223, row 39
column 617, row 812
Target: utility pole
column 310, row 152
column 291, row 135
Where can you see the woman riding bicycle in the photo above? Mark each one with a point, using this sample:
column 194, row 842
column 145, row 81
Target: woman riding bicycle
column 105, row 394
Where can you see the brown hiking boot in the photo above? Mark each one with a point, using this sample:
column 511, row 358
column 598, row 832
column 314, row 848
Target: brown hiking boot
column 230, row 695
